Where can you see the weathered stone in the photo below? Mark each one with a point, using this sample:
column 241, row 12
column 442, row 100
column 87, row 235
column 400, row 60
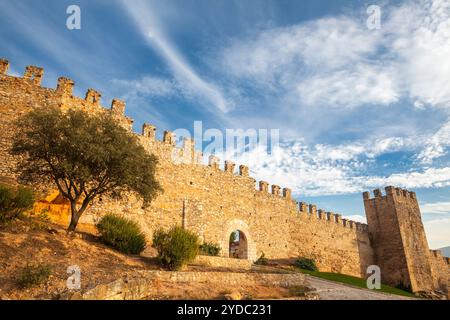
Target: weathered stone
column 143, row 283
column 399, row 242
column 223, row 262
column 213, row 202
column 235, row 295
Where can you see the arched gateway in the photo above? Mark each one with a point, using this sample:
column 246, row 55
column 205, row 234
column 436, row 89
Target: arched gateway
column 242, row 246
column 238, row 245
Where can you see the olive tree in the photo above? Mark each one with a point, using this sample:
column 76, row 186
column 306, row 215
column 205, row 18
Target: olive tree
column 84, row 155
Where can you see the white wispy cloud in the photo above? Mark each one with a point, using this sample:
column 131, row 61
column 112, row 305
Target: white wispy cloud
column 328, row 170
column 427, row 178
column 435, row 208
column 147, row 86
column 338, row 62
column 437, row 233
column 44, row 31
column 357, row 218
column 436, row 145
column 418, row 40
column 153, row 32
column 363, row 84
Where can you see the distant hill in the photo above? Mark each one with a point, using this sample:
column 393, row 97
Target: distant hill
column 445, row 251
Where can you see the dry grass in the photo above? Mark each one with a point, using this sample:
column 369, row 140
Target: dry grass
column 37, row 242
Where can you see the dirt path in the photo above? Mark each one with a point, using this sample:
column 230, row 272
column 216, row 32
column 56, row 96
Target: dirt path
column 329, row 290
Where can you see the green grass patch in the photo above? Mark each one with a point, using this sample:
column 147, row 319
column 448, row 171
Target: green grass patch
column 122, row 234
column 33, row 275
column 209, row 249
column 354, row 281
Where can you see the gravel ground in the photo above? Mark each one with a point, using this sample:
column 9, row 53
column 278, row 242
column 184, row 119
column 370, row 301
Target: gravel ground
column 329, row 290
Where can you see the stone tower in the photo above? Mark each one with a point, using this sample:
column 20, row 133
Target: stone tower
column 398, row 238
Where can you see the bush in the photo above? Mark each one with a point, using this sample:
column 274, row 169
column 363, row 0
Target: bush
column 262, row 260
column 175, row 247
column 210, row 249
column 13, row 202
column 31, row 276
column 306, row 264
column 122, row 234
column 233, row 237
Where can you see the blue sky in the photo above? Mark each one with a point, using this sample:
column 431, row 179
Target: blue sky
column 357, row 109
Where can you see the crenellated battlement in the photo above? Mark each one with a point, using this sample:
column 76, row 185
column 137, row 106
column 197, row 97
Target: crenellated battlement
column 276, row 190
column 436, row 253
column 64, row 90
column 187, row 153
column 399, row 240
column 65, row 87
column 287, row 193
column 210, row 197
column 149, row 131
column 390, row 192
column 263, row 186
column 34, row 74
column 4, row 66
column 229, row 166
column 93, row 97
column 214, row 162
column 118, row 107
column 322, row 215
column 243, row 170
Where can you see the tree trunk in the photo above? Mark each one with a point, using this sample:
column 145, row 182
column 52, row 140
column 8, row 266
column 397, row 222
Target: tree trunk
column 76, row 214
column 73, row 221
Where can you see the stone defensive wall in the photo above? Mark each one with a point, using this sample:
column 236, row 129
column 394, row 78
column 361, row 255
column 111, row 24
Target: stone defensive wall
column 399, row 241
column 139, row 285
column 211, row 199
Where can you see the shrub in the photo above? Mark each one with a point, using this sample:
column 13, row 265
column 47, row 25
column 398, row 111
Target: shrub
column 122, row 234
column 13, row 202
column 43, row 216
column 306, row 264
column 175, row 247
column 233, row 237
column 92, row 153
column 262, row 260
column 31, row 276
column 210, row 249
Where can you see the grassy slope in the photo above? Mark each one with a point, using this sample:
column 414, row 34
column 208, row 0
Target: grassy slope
column 357, row 282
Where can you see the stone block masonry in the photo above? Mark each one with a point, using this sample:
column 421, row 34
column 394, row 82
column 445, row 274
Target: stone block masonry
column 142, row 283
column 399, row 242
column 214, row 200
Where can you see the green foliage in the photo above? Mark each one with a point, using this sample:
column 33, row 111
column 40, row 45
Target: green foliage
column 43, row 216
column 31, row 275
column 233, row 237
column 122, row 234
column 262, row 260
column 84, row 155
column 14, row 201
column 210, row 249
column 176, row 247
column 306, row 264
